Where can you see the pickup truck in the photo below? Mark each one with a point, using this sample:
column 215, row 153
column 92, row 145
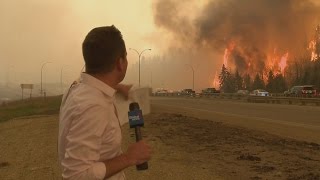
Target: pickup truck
column 209, row 91
column 187, row 92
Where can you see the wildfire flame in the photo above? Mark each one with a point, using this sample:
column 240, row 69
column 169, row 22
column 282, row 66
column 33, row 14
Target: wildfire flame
column 216, row 82
column 312, row 47
column 226, row 57
column 227, row 53
column 283, row 62
column 272, row 59
column 276, row 61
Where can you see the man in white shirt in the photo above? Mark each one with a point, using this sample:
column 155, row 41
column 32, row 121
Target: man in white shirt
column 89, row 129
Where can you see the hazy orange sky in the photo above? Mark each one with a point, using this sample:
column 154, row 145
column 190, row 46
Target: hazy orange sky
column 35, row 31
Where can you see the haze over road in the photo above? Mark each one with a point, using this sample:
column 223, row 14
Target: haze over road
column 293, row 121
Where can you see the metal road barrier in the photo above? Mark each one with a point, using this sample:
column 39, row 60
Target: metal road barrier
column 277, row 99
column 284, row 100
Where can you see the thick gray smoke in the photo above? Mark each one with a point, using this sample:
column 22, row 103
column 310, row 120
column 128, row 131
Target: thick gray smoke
column 257, row 28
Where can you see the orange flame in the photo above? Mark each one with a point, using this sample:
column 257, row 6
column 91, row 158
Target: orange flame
column 226, row 57
column 216, row 82
column 312, row 47
column 277, row 62
column 227, row 53
column 283, row 62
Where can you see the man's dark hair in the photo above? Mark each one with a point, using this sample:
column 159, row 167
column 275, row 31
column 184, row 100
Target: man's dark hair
column 101, row 48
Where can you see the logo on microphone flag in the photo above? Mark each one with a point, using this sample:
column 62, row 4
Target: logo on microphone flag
column 135, row 118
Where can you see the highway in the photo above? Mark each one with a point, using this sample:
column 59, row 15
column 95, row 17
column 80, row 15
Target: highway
column 290, row 121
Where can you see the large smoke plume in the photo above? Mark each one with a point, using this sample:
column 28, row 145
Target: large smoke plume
column 253, row 31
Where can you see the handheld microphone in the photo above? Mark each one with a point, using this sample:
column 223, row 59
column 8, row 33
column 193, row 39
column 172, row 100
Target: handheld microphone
column 136, row 121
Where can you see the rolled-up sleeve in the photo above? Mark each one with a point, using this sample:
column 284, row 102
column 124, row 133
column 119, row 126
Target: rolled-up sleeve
column 83, row 144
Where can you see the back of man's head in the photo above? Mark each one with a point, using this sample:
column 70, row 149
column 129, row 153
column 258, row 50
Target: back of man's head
column 101, row 48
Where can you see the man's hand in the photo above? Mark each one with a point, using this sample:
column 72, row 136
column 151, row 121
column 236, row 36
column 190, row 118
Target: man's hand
column 124, row 89
column 138, row 153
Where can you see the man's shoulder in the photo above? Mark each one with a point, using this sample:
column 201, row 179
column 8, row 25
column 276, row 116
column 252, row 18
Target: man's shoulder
column 85, row 96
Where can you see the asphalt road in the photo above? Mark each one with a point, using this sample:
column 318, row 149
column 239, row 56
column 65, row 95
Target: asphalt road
column 291, row 121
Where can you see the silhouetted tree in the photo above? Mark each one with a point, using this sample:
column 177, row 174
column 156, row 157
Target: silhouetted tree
column 227, row 81
column 258, row 83
column 247, row 82
column 270, row 84
column 238, row 81
column 279, row 84
column 223, row 76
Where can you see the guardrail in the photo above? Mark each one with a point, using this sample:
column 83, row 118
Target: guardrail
column 275, row 99
column 281, row 100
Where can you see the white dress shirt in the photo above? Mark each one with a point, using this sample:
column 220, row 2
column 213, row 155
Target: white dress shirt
column 89, row 130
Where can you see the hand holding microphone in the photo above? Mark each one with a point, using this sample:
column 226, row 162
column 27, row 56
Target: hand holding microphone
column 138, row 153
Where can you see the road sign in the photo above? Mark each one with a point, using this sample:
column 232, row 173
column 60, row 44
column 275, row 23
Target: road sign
column 26, row 86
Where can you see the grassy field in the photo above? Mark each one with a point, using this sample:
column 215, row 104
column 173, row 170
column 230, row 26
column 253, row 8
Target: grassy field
column 35, row 106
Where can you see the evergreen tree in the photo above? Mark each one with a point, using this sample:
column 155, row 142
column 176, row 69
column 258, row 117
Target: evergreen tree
column 258, row 83
column 280, row 84
column 238, row 81
column 247, row 82
column 230, row 85
column 306, row 77
column 227, row 81
column 315, row 73
column 270, row 83
column 223, row 76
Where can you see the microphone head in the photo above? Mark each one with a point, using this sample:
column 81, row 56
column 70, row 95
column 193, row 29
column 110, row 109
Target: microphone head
column 135, row 115
column 134, row 106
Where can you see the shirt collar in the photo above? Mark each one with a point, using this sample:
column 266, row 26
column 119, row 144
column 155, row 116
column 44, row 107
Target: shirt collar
column 96, row 83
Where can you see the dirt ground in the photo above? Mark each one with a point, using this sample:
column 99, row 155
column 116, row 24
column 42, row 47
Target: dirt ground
column 184, row 148
column 29, row 148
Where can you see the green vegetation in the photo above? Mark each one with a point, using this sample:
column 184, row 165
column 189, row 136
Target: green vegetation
column 36, row 106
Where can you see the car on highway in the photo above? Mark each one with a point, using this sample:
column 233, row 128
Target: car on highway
column 161, row 92
column 317, row 92
column 187, row 92
column 243, row 92
column 308, row 91
column 260, row 92
column 294, row 91
column 304, row 91
column 209, row 91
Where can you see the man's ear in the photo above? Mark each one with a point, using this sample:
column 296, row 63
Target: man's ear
column 118, row 64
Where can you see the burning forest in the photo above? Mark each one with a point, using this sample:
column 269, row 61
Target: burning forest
column 253, row 38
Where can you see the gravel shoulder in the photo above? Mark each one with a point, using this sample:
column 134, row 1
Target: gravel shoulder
column 184, row 148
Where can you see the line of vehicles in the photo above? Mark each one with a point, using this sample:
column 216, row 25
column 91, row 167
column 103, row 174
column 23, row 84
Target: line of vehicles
column 295, row 91
column 187, row 92
column 306, row 90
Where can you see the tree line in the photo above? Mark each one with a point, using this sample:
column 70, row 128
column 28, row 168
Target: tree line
column 304, row 72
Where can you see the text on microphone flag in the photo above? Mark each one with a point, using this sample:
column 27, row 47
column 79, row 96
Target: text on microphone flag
column 135, row 118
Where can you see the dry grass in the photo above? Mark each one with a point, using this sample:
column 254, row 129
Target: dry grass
column 35, row 106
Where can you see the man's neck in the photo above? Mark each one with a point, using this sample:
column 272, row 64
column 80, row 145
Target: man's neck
column 107, row 79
